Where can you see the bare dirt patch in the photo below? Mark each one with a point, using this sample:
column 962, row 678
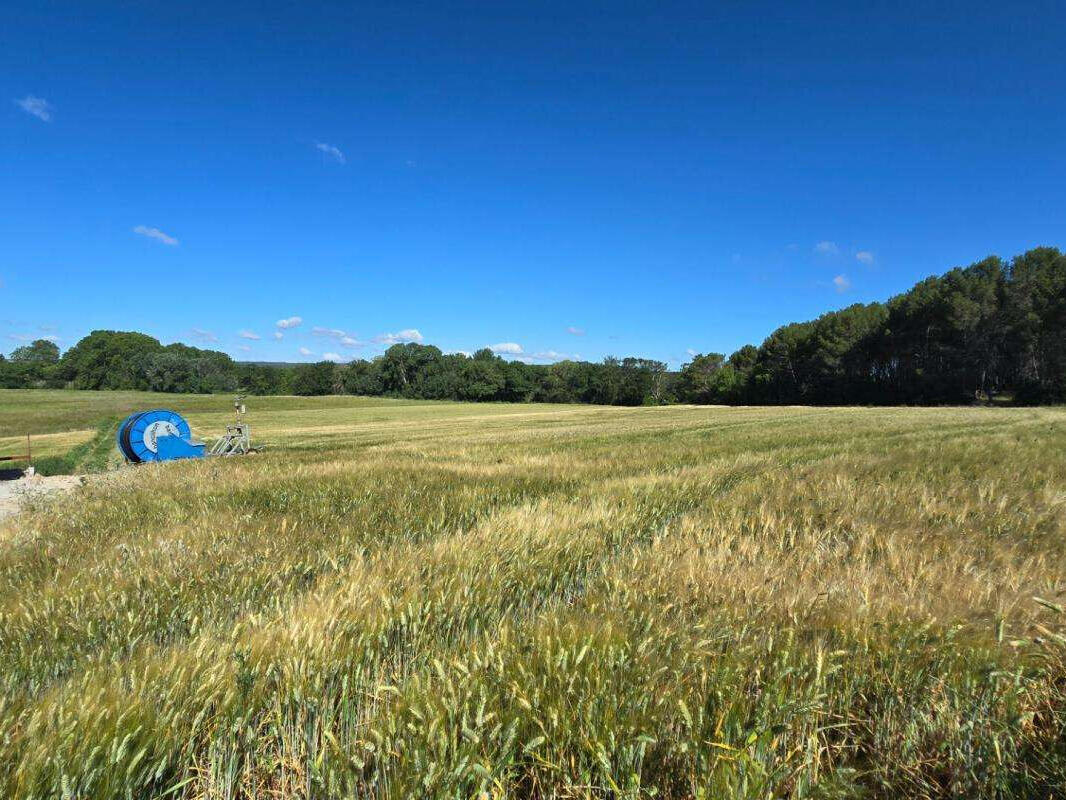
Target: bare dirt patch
column 12, row 493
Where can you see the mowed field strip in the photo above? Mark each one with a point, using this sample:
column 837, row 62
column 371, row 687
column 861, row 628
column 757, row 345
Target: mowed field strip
column 419, row 599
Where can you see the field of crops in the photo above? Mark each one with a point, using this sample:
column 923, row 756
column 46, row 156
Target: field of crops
column 445, row 600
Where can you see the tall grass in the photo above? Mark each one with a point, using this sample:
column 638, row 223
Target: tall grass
column 552, row 603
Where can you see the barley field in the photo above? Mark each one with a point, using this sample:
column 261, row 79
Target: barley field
column 442, row 600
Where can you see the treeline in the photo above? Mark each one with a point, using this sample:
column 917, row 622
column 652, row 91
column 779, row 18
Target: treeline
column 123, row 360
column 974, row 333
column 992, row 329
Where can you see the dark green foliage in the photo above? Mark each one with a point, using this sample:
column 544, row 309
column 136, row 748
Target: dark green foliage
column 699, row 381
column 109, row 360
column 40, row 350
column 966, row 336
column 314, row 379
column 480, row 379
column 263, row 380
column 33, row 364
column 1034, row 318
column 361, row 377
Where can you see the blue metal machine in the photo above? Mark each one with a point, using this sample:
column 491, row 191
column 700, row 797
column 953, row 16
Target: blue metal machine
column 164, row 435
column 157, row 435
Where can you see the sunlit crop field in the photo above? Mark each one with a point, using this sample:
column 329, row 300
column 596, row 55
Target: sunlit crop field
column 442, row 600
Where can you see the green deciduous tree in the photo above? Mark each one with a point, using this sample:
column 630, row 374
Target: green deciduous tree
column 697, row 382
column 314, row 379
column 40, row 351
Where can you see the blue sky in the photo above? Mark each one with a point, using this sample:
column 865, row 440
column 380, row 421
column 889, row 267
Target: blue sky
column 554, row 178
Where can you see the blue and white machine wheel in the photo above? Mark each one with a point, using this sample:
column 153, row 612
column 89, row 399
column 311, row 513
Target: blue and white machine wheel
column 138, row 434
column 121, row 429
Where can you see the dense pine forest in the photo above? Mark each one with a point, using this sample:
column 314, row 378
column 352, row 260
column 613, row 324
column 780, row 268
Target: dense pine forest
column 995, row 330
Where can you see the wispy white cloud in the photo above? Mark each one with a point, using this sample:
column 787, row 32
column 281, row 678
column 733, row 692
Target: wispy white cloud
column 37, row 106
column 336, row 333
column 289, row 322
column 155, row 233
column 507, row 348
column 692, row 353
column 466, row 353
column 864, row 257
column 247, row 334
column 343, row 337
column 573, row 330
column 554, row 355
column 827, row 248
column 305, row 352
column 278, row 336
column 406, row 335
column 334, row 357
column 29, row 337
column 245, row 348
column 204, row 336
column 842, row 283
column 331, row 151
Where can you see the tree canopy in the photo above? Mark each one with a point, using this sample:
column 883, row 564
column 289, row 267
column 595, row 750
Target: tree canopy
column 40, row 351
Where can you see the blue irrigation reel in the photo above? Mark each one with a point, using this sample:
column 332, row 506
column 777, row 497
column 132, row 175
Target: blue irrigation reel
column 157, row 435
column 164, row 435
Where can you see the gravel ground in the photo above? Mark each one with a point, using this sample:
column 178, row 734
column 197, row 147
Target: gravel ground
column 12, row 492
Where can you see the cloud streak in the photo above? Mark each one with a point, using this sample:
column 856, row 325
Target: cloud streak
column 554, row 355
column 573, row 330
column 29, row 337
column 507, row 348
column 246, row 334
column 155, row 233
column 842, row 283
column 406, row 335
column 827, row 248
column 864, row 257
column 289, row 322
column 37, row 107
column 331, row 152
column 336, row 333
column 204, row 336
column 346, row 339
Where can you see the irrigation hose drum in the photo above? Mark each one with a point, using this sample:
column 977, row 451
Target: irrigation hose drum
column 156, row 435
column 164, row 435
